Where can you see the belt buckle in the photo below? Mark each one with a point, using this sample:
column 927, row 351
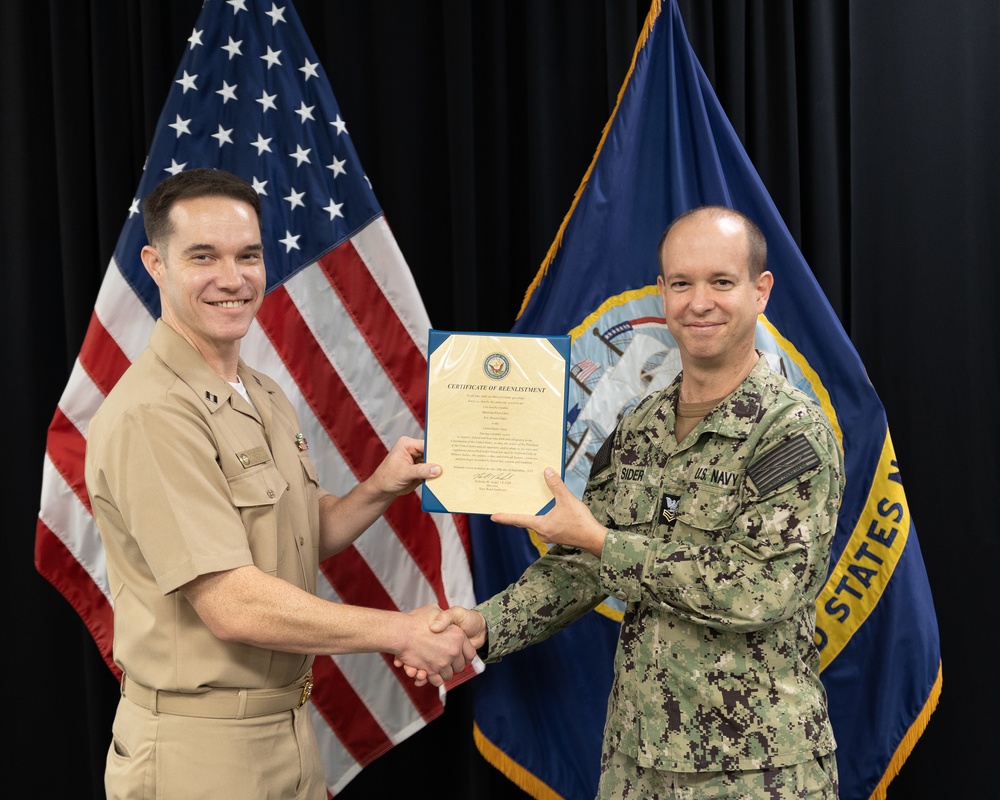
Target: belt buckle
column 307, row 688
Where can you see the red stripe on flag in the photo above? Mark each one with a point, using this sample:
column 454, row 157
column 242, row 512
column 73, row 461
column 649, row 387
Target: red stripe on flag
column 377, row 321
column 66, row 447
column 419, row 535
column 59, row 567
column 101, row 357
column 354, row 581
column 462, row 529
column 347, row 426
column 346, row 713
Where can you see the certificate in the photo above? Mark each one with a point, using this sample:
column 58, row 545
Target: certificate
column 496, row 417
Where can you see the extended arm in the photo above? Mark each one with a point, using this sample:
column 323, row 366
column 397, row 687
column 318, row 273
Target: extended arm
column 247, row 605
column 569, row 522
column 344, row 519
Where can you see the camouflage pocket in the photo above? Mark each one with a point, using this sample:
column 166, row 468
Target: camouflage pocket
column 708, row 513
column 634, row 505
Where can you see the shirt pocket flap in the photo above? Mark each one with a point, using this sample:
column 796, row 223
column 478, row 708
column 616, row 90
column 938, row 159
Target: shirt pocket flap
column 635, row 504
column 258, row 487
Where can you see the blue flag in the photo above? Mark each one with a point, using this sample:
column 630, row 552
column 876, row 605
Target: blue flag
column 669, row 147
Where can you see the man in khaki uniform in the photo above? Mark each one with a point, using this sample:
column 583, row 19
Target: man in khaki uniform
column 710, row 512
column 214, row 524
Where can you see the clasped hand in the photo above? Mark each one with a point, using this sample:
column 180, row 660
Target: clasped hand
column 569, row 522
column 454, row 621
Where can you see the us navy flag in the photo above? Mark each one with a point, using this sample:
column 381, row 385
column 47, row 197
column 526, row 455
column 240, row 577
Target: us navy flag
column 669, row 147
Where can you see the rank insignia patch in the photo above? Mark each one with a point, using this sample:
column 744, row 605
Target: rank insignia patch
column 668, row 509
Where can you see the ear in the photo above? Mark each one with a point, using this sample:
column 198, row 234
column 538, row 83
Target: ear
column 154, row 264
column 662, row 287
column 763, row 286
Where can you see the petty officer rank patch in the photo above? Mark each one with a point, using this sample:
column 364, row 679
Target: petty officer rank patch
column 668, row 509
column 783, row 463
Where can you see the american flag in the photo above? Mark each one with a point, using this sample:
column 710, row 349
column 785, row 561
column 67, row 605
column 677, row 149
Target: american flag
column 584, row 369
column 342, row 328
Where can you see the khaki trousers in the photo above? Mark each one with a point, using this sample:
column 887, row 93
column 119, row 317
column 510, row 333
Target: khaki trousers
column 170, row 757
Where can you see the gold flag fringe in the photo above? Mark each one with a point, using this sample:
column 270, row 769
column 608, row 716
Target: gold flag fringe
column 909, row 740
column 523, row 779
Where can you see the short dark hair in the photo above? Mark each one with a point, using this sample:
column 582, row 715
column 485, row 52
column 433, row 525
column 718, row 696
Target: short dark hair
column 756, row 243
column 192, row 183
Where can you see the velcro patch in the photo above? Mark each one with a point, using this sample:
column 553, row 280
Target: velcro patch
column 783, row 463
column 602, row 458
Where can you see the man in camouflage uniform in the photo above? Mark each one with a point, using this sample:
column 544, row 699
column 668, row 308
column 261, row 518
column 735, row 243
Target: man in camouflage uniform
column 710, row 512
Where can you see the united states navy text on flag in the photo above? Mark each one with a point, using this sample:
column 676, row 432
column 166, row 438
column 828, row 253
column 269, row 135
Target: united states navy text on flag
column 342, row 328
column 669, row 147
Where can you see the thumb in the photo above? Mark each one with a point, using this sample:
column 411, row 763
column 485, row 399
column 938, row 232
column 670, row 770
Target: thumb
column 554, row 481
column 444, row 618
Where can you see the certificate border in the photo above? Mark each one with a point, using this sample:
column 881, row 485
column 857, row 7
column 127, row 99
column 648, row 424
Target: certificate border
column 435, row 338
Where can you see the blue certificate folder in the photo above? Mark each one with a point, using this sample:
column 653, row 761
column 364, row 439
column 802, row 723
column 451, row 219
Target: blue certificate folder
column 495, row 417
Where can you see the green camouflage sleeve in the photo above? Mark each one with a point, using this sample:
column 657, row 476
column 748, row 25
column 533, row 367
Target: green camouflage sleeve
column 737, row 560
column 557, row 589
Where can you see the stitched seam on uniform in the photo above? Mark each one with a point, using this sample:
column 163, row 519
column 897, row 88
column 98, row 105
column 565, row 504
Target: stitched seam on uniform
column 783, row 463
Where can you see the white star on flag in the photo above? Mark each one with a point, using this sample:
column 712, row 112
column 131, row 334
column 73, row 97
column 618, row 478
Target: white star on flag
column 233, row 48
column 227, row 92
column 187, row 81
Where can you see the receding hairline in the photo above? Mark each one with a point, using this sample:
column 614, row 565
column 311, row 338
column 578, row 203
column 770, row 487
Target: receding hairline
column 756, row 244
column 201, row 182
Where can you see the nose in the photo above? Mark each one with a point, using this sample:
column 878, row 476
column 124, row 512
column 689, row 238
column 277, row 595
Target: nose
column 229, row 274
column 701, row 298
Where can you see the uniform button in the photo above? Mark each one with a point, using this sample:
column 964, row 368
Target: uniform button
column 270, row 493
column 302, row 541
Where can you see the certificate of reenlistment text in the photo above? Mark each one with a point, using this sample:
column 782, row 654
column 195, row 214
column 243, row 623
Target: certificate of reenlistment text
column 496, row 418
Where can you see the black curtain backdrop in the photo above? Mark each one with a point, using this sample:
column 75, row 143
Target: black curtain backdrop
column 874, row 125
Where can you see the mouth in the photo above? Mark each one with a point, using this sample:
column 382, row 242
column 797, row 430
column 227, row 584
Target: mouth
column 230, row 303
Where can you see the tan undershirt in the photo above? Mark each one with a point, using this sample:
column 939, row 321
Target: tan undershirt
column 690, row 414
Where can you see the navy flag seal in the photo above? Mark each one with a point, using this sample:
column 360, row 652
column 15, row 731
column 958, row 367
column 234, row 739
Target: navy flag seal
column 496, row 366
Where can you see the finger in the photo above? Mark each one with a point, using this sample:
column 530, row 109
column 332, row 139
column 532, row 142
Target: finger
column 517, row 520
column 554, row 482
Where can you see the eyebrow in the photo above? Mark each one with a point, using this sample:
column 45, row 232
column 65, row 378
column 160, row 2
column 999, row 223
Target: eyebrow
column 719, row 273
column 257, row 247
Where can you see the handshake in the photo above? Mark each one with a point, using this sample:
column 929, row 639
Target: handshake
column 440, row 643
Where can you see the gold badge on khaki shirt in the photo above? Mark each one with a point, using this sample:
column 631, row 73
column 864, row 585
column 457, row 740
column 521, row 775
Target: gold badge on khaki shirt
column 253, row 457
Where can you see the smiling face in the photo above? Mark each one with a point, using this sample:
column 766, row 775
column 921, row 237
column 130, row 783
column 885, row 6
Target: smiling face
column 709, row 299
column 210, row 271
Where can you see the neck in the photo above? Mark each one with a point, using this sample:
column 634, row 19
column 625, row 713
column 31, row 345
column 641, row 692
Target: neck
column 702, row 385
